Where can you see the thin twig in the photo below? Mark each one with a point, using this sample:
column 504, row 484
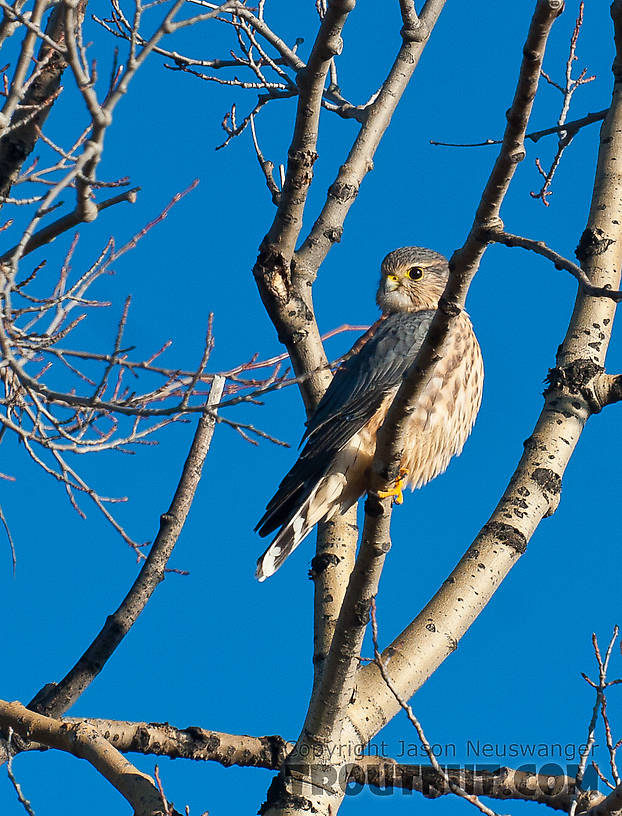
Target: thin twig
column 453, row 787
column 9, row 769
column 540, row 248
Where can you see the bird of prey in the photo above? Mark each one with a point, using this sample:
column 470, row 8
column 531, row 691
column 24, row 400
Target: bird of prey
column 332, row 471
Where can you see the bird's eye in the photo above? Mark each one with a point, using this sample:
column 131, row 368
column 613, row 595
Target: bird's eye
column 415, row 273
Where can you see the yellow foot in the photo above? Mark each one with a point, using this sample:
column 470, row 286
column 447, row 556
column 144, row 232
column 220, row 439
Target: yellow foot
column 397, row 490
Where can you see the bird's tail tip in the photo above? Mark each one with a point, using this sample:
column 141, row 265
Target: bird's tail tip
column 260, row 574
column 269, row 562
column 283, row 545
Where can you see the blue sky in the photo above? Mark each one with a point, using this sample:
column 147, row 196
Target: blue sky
column 215, row 648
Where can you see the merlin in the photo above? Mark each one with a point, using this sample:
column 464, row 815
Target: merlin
column 332, row 471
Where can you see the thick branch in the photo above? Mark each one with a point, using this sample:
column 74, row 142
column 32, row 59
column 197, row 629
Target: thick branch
column 85, row 742
column 242, row 750
column 534, row 490
column 330, row 571
column 610, row 806
column 284, row 231
column 344, row 190
column 285, row 295
column 328, row 704
column 162, row 739
column 502, row 783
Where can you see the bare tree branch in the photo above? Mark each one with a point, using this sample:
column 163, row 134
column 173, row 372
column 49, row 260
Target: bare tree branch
column 67, row 222
column 86, row 742
column 610, row 804
column 242, row 750
column 9, row 769
column 534, row 490
column 453, row 786
column 55, row 699
column 539, row 247
column 571, row 128
column 286, row 297
column 567, row 90
column 342, row 193
column 330, row 571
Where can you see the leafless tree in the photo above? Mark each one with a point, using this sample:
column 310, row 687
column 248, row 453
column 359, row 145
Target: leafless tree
column 64, row 402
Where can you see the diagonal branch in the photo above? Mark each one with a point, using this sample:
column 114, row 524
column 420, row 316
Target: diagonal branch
column 391, row 439
column 283, row 233
column 454, row 787
column 570, row 128
column 328, row 227
column 286, row 295
column 539, row 247
column 48, row 233
column 610, row 806
column 55, row 699
column 533, row 492
column 85, row 742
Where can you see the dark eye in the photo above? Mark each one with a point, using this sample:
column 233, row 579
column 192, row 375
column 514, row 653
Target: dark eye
column 415, row 273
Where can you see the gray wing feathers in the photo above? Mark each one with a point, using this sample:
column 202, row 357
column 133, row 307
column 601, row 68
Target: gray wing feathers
column 353, row 397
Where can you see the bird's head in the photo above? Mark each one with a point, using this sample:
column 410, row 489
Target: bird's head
column 411, row 278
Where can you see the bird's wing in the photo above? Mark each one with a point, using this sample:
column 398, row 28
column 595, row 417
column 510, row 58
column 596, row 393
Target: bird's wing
column 361, row 383
column 351, row 400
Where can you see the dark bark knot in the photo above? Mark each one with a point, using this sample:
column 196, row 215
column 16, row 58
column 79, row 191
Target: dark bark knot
column 576, row 379
column 448, row 308
column 273, row 273
column 204, row 739
column 142, row 739
column 361, row 611
column 322, row 562
column 551, row 485
column 301, row 166
column 333, row 234
column 592, row 244
column 279, row 797
column 343, row 192
column 167, row 519
column 549, row 481
column 275, row 749
column 507, row 535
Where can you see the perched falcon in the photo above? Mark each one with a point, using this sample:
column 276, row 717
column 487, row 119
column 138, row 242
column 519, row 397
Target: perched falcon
column 332, row 471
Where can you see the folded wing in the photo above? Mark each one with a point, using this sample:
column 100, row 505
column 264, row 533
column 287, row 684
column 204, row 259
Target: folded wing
column 351, row 400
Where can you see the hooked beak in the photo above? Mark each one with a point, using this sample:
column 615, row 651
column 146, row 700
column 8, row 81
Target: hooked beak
column 391, row 283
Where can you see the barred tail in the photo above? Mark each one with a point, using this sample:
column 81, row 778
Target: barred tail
column 285, row 542
column 320, row 505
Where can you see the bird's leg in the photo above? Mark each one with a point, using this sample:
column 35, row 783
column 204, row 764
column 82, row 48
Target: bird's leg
column 397, row 489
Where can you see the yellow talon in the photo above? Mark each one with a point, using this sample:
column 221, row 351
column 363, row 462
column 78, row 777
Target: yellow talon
column 397, row 490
